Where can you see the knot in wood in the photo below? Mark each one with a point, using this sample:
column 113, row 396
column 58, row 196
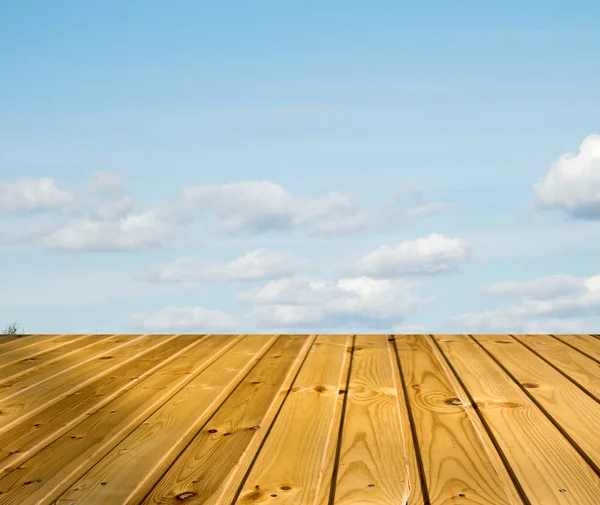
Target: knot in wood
column 530, row 385
column 185, row 496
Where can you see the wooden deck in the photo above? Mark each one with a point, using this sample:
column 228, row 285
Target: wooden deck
column 300, row 419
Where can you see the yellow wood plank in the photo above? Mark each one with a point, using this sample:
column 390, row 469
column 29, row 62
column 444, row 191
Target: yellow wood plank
column 134, row 465
column 36, row 376
column 579, row 368
column 457, row 456
column 5, row 339
column 574, row 411
column 550, row 471
column 331, row 452
column 18, row 348
column 416, row 496
column 52, row 470
column 373, row 464
column 105, row 357
column 295, row 453
column 586, row 344
column 210, row 468
column 25, row 439
column 33, row 362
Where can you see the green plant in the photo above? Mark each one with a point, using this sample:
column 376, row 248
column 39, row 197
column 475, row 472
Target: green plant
column 12, row 329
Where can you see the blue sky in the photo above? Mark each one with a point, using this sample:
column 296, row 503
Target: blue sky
column 300, row 166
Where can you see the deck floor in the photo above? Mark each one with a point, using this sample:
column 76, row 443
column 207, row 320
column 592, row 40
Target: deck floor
column 300, row 419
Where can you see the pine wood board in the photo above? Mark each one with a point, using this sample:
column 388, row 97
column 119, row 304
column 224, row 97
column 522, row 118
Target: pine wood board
column 300, row 419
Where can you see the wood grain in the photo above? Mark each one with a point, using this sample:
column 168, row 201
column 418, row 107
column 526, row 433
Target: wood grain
column 42, row 478
column 27, row 395
column 16, row 348
column 541, row 459
column 456, row 453
column 586, row 344
column 135, row 464
column 373, row 466
column 30, row 364
column 300, row 419
column 291, row 463
column 219, row 456
column 558, row 397
column 579, row 368
column 25, row 439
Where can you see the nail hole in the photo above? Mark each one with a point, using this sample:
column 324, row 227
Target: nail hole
column 103, row 483
column 274, row 495
column 563, row 490
column 371, row 485
column 285, row 488
column 462, row 495
column 212, row 431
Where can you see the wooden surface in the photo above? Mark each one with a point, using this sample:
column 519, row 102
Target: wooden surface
column 300, row 419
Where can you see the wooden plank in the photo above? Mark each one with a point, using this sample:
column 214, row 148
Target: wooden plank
column 373, row 465
column 24, row 347
column 34, row 397
column 579, row 368
column 134, row 465
column 36, row 376
column 548, row 468
column 25, row 439
column 30, row 364
column 6, row 338
column 586, row 344
column 329, row 465
column 295, row 452
column 416, row 495
column 52, row 470
column 457, row 457
column 209, row 469
column 577, row 415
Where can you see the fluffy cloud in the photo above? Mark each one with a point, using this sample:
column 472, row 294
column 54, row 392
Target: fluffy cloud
column 133, row 232
column 548, row 304
column 306, row 302
column 32, row 194
column 572, row 184
column 108, row 222
column 424, row 256
column 186, row 319
column 255, row 265
column 261, row 206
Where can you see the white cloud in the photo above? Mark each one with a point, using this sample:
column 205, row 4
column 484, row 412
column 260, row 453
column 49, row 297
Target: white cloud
column 130, row 233
column 255, row 265
column 298, row 301
column 261, row 206
column 106, row 221
column 572, row 184
column 544, row 288
column 433, row 254
column 32, row 194
column 197, row 319
column 545, row 303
